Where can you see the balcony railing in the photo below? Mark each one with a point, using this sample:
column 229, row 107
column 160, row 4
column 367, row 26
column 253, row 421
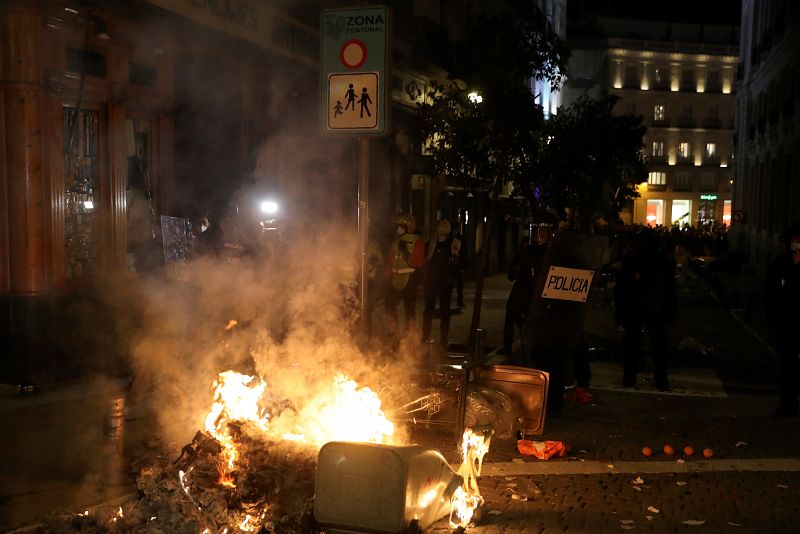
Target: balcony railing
column 656, row 159
column 686, row 122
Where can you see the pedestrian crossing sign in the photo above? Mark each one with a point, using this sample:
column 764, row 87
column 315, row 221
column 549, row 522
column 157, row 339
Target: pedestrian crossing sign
column 353, row 101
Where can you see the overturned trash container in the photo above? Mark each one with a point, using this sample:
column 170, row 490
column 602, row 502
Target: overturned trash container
column 528, row 387
column 365, row 487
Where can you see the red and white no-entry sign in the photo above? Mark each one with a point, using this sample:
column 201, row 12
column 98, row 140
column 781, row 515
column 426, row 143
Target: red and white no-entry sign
column 353, row 53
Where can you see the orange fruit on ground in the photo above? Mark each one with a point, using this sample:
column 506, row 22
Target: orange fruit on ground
column 688, row 450
column 668, row 450
column 647, row 451
column 708, row 453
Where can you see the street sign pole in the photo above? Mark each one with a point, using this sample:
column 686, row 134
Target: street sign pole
column 354, row 98
column 363, row 224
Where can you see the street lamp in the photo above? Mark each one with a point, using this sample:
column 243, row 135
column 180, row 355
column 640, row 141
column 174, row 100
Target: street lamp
column 475, row 97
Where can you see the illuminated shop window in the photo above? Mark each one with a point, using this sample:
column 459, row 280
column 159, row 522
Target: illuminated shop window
column 681, row 212
column 726, row 213
column 657, row 178
column 655, row 212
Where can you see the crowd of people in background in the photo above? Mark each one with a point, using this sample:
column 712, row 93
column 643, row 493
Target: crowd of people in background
column 641, row 261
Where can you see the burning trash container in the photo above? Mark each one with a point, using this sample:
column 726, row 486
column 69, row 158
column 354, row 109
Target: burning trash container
column 364, row 487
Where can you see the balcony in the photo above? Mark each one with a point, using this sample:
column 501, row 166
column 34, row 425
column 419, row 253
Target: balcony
column 711, row 160
column 657, row 159
column 663, row 123
column 687, row 122
column 685, row 161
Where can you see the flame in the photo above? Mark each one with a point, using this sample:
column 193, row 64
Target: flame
column 467, row 497
column 344, row 412
column 348, row 413
column 235, row 399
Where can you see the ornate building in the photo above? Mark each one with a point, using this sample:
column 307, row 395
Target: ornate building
column 680, row 79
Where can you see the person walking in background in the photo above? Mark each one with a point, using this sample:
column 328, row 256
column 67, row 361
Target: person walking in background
column 646, row 297
column 405, row 256
column 441, row 268
column 783, row 317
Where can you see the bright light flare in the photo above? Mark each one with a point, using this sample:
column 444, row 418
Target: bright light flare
column 270, row 207
column 475, row 97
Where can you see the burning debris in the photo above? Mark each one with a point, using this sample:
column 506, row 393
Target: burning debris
column 245, row 472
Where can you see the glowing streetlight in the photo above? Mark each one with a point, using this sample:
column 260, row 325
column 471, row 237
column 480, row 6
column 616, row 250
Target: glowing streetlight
column 475, row 98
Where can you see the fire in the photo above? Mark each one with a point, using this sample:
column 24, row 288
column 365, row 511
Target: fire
column 347, row 413
column 235, row 399
column 344, row 412
column 467, row 497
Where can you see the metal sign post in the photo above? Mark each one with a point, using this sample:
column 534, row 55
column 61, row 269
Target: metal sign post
column 353, row 96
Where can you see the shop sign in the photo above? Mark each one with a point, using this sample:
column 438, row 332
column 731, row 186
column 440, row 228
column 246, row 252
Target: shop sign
column 708, row 197
column 565, row 283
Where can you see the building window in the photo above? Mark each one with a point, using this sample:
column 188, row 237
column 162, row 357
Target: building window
column 658, row 149
column 660, row 78
column 687, row 80
column 142, row 74
column 708, row 182
column 657, row 178
column 655, row 212
column 658, row 112
column 79, row 60
column 681, row 181
column 681, row 212
column 726, row 212
column 711, row 150
column 683, row 150
column 713, row 83
column 631, row 76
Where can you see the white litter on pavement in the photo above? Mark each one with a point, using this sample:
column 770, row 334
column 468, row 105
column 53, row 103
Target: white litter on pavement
column 694, row 522
column 653, row 509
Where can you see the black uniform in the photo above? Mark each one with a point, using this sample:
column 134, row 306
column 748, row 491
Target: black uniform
column 783, row 316
column 441, row 271
column 646, row 297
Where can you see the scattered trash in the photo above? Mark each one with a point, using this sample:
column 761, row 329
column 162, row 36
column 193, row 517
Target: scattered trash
column 626, row 521
column 519, row 497
column 543, row 450
column 742, row 444
column 731, row 523
column 494, row 512
column 511, row 478
column 610, row 466
column 637, row 488
column 583, row 451
column 637, row 480
column 783, row 486
column 681, row 483
column 680, row 460
column 649, row 517
column 653, row 509
column 694, row 522
column 627, row 527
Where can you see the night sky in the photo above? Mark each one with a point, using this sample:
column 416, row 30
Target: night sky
column 726, row 12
